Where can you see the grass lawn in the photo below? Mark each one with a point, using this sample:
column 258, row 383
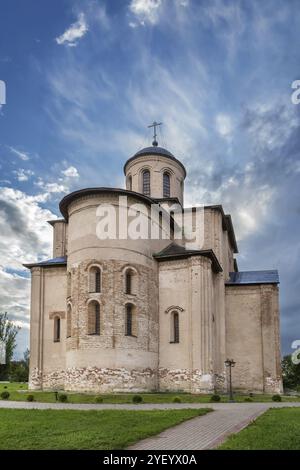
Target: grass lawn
column 18, row 392
column 277, row 429
column 70, row 429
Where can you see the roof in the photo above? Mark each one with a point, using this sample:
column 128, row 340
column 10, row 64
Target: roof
column 54, row 221
column 64, row 203
column 253, row 277
column 154, row 150
column 61, row 261
column 174, row 251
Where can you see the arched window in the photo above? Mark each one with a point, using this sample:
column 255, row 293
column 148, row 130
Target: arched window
column 94, row 318
column 95, row 279
column 166, row 184
column 128, row 282
column 57, row 329
column 129, row 183
column 69, row 321
column 174, row 327
column 146, row 182
column 130, row 320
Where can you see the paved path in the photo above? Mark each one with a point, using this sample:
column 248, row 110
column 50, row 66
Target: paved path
column 203, row 432
column 208, row 431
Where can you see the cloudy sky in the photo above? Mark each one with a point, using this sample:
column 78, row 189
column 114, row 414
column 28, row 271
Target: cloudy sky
column 85, row 78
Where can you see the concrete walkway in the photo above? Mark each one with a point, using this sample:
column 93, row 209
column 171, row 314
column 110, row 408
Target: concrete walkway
column 203, row 432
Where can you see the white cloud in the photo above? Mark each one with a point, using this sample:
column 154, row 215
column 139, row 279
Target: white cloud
column 21, row 154
column 145, row 11
column 224, row 125
column 261, row 129
column 51, row 188
column 62, row 185
column 75, row 32
column 23, row 228
column 71, row 172
column 25, row 237
column 14, row 295
column 23, row 175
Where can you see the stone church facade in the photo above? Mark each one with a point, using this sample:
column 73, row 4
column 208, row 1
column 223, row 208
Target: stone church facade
column 119, row 314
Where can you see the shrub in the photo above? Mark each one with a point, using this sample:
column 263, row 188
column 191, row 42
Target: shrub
column 99, row 400
column 251, row 395
column 176, row 400
column 5, row 386
column 137, row 399
column 5, row 395
column 215, row 398
column 248, row 399
column 30, row 398
column 276, row 398
column 62, row 397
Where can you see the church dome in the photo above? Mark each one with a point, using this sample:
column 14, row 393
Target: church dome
column 154, row 150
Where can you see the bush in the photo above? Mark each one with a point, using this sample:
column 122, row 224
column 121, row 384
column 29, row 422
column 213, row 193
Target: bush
column 215, row 398
column 99, row 400
column 248, row 399
column 276, row 398
column 30, row 398
column 62, row 397
column 176, row 400
column 5, row 395
column 251, row 395
column 137, row 399
column 5, row 386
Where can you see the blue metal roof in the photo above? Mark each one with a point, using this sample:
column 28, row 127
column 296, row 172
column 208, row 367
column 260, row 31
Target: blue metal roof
column 154, row 150
column 49, row 262
column 253, row 277
column 60, row 260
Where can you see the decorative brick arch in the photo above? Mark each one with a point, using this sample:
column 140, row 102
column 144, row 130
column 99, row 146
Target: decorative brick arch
column 174, row 307
column 134, row 282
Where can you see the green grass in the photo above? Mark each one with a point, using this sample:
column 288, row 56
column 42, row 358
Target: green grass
column 18, row 392
column 72, row 429
column 277, row 429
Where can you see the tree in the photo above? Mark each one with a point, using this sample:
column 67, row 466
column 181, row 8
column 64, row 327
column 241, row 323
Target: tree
column 8, row 333
column 19, row 370
column 290, row 373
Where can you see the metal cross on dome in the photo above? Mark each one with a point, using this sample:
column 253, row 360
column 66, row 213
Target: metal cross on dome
column 155, row 125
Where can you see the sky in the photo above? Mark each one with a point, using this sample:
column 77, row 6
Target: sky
column 85, row 78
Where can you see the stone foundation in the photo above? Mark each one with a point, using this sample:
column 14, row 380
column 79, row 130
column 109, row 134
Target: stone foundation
column 50, row 380
column 185, row 380
column 111, row 380
column 105, row 380
column 96, row 380
column 273, row 385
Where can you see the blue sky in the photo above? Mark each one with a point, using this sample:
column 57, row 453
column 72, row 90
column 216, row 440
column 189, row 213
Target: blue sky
column 85, row 78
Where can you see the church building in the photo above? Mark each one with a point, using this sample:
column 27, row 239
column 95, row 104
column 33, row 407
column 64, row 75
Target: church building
column 118, row 314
